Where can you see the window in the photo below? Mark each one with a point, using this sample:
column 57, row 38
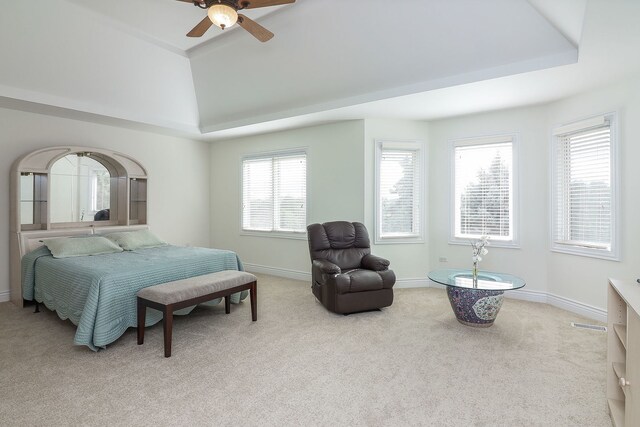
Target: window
column 584, row 202
column 274, row 193
column 399, row 192
column 483, row 187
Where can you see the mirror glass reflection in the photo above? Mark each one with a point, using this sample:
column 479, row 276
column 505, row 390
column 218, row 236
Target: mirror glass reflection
column 80, row 190
column 27, row 199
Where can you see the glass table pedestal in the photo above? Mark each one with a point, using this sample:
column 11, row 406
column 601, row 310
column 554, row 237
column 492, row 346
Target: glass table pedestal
column 476, row 302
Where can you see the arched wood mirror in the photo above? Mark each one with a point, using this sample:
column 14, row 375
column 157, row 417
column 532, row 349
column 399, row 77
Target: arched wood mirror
column 65, row 187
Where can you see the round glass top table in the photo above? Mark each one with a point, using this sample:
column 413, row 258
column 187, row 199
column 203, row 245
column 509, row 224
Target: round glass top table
column 476, row 301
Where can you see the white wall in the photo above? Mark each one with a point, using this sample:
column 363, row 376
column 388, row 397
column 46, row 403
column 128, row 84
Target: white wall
column 569, row 277
column 410, row 262
column 341, row 162
column 341, row 186
column 585, row 279
column 88, row 64
column 190, row 180
column 178, row 173
column 529, row 260
column 335, row 170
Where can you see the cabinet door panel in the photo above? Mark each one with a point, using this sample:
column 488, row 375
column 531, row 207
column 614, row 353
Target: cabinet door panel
column 632, row 401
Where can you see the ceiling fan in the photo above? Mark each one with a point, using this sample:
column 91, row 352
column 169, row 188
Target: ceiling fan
column 224, row 13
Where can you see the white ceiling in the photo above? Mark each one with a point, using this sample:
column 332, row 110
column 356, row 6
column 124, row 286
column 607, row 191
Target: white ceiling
column 128, row 61
column 326, row 60
column 163, row 22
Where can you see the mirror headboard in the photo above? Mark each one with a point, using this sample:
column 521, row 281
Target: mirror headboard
column 71, row 190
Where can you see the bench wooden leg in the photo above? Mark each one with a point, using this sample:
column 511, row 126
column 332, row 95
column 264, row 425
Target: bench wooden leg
column 253, row 295
column 142, row 314
column 167, row 310
column 168, row 329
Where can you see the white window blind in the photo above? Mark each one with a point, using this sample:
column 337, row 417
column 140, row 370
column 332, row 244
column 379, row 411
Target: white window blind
column 399, row 190
column 274, row 193
column 583, row 189
column 483, row 189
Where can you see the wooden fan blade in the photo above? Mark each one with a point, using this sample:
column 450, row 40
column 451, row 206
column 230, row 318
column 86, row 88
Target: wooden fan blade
column 254, row 4
column 256, row 30
column 191, row 1
column 201, row 28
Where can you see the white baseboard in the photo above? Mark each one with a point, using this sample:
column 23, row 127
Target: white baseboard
column 303, row 275
column 564, row 303
column 528, row 295
column 568, row 304
column 278, row 272
column 580, row 308
column 413, row 283
column 5, row 296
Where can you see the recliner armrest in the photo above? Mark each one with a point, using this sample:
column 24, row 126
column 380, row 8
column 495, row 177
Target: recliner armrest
column 375, row 263
column 327, row 267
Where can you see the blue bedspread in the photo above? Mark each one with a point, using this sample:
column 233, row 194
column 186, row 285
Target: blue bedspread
column 98, row 293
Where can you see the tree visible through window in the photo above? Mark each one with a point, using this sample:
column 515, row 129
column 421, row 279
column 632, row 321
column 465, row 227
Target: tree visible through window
column 483, row 189
column 399, row 190
column 485, row 203
column 583, row 184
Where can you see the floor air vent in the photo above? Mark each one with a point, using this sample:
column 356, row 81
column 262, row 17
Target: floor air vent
column 586, row 326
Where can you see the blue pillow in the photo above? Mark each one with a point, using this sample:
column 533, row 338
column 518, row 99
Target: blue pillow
column 132, row 240
column 67, row 247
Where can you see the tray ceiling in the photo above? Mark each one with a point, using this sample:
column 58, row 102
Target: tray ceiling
column 330, row 60
column 332, row 53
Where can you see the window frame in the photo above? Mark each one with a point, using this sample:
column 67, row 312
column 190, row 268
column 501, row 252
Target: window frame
column 514, row 138
column 556, row 134
column 296, row 235
column 412, row 145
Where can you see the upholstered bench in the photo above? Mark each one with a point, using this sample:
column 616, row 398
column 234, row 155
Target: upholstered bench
column 171, row 296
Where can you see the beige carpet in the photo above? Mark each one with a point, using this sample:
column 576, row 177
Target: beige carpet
column 411, row 364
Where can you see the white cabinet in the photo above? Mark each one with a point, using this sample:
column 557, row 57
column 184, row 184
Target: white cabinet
column 623, row 353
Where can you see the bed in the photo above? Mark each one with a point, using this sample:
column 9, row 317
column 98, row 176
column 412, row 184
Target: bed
column 98, row 293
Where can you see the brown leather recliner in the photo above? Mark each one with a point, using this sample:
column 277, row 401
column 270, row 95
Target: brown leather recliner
column 346, row 278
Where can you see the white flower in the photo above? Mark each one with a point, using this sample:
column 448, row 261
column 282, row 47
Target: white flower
column 478, row 248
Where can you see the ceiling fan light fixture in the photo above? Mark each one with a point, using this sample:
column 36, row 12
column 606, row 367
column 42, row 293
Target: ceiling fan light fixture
column 222, row 15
